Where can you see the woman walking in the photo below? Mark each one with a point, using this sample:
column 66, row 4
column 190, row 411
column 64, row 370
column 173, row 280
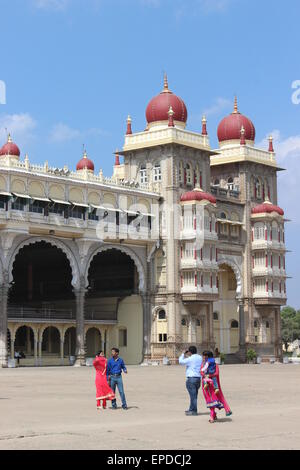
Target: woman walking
column 213, row 395
column 103, row 390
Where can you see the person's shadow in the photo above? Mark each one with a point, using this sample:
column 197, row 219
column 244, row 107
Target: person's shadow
column 223, row 420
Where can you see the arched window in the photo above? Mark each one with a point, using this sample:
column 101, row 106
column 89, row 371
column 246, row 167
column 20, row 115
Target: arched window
column 259, row 188
column 161, row 315
column 188, row 174
column 198, row 322
column 267, row 324
column 255, row 324
column 183, row 322
column 143, row 174
column 216, row 316
column 223, row 215
column 157, row 172
column 230, row 183
column 234, row 324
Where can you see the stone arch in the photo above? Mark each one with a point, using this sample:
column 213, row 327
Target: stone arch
column 54, row 242
column 157, row 309
column 127, row 251
column 44, row 328
column 234, row 266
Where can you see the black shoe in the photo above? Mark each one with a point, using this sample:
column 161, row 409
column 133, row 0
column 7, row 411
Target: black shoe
column 191, row 413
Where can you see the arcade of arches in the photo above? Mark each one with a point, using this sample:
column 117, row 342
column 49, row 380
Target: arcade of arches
column 43, row 307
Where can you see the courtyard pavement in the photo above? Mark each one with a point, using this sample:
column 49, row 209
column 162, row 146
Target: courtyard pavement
column 55, row 408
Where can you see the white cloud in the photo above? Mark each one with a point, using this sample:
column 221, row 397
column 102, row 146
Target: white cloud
column 218, row 106
column 63, row 133
column 20, row 126
column 51, row 4
column 288, row 157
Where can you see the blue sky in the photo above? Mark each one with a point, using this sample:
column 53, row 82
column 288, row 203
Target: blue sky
column 74, row 70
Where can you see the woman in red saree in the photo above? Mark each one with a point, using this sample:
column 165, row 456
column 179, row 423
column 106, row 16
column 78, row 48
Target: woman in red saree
column 214, row 400
column 103, row 390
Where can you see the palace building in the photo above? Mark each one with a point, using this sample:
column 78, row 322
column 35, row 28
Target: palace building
column 183, row 244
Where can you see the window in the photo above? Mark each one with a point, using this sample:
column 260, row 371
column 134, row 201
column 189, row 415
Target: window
column 36, row 206
column 123, row 338
column 76, row 212
column 19, row 204
column 143, row 174
column 162, row 337
column 2, row 202
column 217, row 182
column 188, row 174
column 223, row 215
column 93, row 215
column 267, row 324
column 57, row 209
column 216, row 316
column 157, row 172
column 255, row 324
column 183, row 322
column 161, row 315
column 230, row 184
column 198, row 322
column 234, row 324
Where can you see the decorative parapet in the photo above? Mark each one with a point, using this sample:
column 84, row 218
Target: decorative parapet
column 169, row 135
column 238, row 153
column 65, row 174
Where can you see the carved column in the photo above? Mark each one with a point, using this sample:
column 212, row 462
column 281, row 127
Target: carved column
column 4, row 288
column 80, row 346
column 146, row 326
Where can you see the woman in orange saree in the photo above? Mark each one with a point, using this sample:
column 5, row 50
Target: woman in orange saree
column 103, row 390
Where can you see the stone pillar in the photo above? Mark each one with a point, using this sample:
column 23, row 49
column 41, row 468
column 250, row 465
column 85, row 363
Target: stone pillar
column 80, row 346
column 62, row 350
column 146, row 326
column 193, row 330
column 12, row 346
column 35, row 350
column 4, row 288
column 40, row 351
column 210, row 324
column 28, row 335
column 242, row 339
column 278, row 340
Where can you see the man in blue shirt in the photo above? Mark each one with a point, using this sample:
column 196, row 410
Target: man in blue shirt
column 115, row 365
column 193, row 362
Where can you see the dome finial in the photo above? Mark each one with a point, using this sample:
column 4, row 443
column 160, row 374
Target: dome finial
column 243, row 139
column 166, row 84
column 129, row 129
column 235, row 106
column 271, row 147
column 9, row 139
column 171, row 119
column 204, row 128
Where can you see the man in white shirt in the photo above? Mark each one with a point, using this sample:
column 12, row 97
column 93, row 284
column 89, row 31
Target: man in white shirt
column 193, row 362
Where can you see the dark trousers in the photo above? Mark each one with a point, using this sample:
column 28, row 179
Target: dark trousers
column 193, row 385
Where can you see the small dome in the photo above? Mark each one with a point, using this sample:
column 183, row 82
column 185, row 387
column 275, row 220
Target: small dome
column 197, row 195
column 158, row 107
column 230, row 127
column 267, row 208
column 85, row 163
column 10, row 148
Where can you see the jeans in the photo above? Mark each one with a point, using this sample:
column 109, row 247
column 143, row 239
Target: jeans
column 193, row 385
column 118, row 382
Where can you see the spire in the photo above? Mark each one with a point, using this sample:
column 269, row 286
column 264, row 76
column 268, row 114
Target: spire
column 243, row 140
column 129, row 130
column 204, row 129
column 9, row 139
column 166, row 84
column 117, row 158
column 171, row 114
column 271, row 147
column 235, row 106
column 84, row 154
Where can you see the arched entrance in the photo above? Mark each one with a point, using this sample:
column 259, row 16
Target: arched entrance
column 93, row 342
column 115, row 277
column 51, row 352
column 226, row 310
column 70, row 342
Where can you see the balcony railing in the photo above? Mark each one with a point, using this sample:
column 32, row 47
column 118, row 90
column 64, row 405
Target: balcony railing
column 39, row 314
column 225, row 193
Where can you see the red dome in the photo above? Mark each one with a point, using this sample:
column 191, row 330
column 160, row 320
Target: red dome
column 230, row 127
column 85, row 163
column 10, row 148
column 197, row 195
column 158, row 107
column 268, row 208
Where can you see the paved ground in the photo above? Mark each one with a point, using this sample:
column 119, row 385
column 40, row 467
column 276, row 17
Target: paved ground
column 54, row 408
